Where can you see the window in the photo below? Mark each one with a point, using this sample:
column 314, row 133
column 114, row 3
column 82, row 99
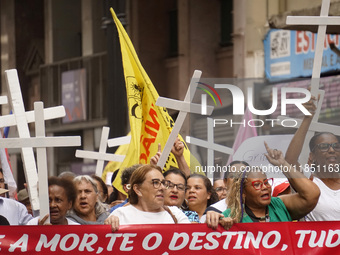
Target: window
column 173, row 33
column 226, row 22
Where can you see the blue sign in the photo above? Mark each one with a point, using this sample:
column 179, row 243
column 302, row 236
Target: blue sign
column 290, row 54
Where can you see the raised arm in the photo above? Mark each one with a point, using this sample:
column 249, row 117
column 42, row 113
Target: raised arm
column 307, row 192
column 178, row 149
column 295, row 146
column 155, row 158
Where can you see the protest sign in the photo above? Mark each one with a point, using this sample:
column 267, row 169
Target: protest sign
column 254, row 238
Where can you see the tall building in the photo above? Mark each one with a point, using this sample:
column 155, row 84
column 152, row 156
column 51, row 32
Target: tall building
column 67, row 52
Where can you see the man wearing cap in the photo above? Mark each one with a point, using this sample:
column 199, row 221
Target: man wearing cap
column 15, row 212
column 25, row 200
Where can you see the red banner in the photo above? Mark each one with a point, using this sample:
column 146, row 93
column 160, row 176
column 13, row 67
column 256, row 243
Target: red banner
column 247, row 238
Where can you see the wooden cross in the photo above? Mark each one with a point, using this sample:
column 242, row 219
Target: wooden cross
column 41, row 143
column 210, row 145
column 102, row 156
column 184, row 107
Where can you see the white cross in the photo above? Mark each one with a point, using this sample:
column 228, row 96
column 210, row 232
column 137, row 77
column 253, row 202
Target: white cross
column 49, row 113
column 17, row 104
column 314, row 127
column 102, row 156
column 3, row 100
column 21, row 119
column 41, row 143
column 322, row 21
column 184, row 107
column 210, row 145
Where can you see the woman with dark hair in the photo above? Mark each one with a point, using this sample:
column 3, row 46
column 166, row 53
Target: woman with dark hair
column 324, row 160
column 200, row 194
column 116, row 197
column 175, row 194
column 220, row 188
column 102, row 188
column 62, row 195
column 146, row 197
column 249, row 197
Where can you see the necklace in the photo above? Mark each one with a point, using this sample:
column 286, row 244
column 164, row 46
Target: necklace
column 257, row 219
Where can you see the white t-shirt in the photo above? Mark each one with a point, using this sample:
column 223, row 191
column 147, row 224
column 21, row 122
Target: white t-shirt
column 131, row 215
column 34, row 221
column 328, row 206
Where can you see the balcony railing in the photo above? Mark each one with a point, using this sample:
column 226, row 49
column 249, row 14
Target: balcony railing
column 96, row 76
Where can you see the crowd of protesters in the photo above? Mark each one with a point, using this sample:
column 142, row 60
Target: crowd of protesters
column 152, row 196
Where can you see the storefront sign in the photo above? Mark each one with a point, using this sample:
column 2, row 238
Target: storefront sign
column 290, row 54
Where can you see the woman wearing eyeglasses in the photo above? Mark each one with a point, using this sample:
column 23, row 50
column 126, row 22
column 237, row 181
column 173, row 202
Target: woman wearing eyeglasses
column 146, row 198
column 220, row 188
column 175, row 194
column 249, row 198
column 324, row 159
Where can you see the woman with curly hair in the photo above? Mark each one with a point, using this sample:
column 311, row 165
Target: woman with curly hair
column 249, row 197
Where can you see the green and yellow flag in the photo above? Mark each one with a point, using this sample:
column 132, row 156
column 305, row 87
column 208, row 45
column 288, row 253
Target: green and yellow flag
column 149, row 123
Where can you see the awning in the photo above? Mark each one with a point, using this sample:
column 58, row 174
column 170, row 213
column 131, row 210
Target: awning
column 279, row 21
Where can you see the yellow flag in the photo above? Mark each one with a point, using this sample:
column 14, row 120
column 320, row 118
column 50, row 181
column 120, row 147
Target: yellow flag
column 149, row 123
